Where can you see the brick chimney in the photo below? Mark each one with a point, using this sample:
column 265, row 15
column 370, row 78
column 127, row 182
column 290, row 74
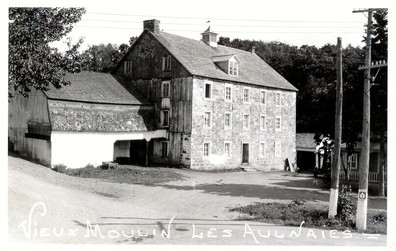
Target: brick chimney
column 253, row 49
column 152, row 25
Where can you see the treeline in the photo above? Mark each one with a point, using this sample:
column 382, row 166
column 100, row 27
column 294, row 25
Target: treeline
column 312, row 71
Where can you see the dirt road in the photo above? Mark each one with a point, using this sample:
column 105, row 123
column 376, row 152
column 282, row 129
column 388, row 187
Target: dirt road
column 66, row 209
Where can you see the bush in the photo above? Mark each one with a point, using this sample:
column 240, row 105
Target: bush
column 89, row 166
column 381, row 216
column 346, row 207
column 60, row 168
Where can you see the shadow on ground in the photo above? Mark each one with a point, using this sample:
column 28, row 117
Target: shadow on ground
column 301, row 183
column 253, row 191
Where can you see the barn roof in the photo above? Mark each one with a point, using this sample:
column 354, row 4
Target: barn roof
column 95, row 87
column 197, row 58
column 91, row 117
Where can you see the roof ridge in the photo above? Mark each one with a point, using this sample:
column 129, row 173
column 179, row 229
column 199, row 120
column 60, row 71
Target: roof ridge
column 198, row 59
column 219, row 45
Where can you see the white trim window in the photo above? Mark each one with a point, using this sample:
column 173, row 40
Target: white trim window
column 207, row 90
column 128, row 67
column 233, row 68
column 164, row 149
column 263, row 150
column 208, row 119
column 227, row 149
column 263, row 122
column 227, row 120
column 206, row 149
column 167, row 63
column 278, row 149
column 354, row 161
column 246, row 94
column 278, row 99
column 228, row 92
column 263, row 97
column 165, row 89
column 278, row 123
column 164, row 118
column 246, row 121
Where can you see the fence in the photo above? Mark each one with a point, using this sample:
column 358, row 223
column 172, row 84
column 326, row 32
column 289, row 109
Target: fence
column 354, row 175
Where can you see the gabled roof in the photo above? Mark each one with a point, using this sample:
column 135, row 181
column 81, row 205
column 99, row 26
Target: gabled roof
column 95, row 87
column 223, row 58
column 197, row 58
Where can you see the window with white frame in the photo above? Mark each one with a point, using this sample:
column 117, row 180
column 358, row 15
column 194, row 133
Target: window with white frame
column 167, row 63
column 227, row 120
column 277, row 99
column 227, row 149
column 263, row 149
column 263, row 122
column 278, row 123
column 208, row 90
column 165, row 89
column 354, row 161
column 128, row 67
column 206, row 149
column 246, row 121
column 164, row 149
column 278, row 149
column 164, row 118
column 233, row 68
column 246, row 95
column 228, row 93
column 208, row 119
column 263, row 97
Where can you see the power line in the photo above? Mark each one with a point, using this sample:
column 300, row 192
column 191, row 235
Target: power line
column 224, row 25
column 224, row 19
column 224, row 31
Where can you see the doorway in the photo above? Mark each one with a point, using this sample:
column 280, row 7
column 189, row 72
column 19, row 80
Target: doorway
column 245, row 153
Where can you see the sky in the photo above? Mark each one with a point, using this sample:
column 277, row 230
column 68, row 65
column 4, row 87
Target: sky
column 292, row 22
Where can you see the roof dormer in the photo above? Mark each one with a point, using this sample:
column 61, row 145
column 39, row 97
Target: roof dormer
column 209, row 37
column 228, row 63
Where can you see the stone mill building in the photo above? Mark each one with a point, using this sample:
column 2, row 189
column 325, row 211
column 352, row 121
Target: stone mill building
column 180, row 102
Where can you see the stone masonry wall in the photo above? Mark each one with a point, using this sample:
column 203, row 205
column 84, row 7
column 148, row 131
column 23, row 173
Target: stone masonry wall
column 217, row 135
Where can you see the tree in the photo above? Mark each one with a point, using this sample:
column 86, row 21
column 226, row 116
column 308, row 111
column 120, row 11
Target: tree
column 33, row 64
column 132, row 40
column 102, row 58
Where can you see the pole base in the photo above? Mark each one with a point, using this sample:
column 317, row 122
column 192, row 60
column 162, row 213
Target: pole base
column 361, row 214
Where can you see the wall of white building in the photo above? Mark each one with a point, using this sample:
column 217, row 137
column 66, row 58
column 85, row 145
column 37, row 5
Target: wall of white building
column 77, row 149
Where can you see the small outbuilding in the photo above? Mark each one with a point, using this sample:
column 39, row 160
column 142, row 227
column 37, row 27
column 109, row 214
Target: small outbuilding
column 92, row 120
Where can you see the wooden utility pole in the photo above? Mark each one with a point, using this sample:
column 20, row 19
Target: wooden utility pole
column 335, row 165
column 364, row 161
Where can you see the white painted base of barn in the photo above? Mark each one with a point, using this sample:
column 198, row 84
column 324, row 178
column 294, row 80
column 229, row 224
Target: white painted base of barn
column 77, row 149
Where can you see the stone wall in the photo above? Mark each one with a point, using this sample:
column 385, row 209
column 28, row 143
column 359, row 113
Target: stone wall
column 217, row 135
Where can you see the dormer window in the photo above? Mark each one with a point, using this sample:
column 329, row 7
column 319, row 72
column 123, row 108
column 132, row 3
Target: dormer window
column 233, row 68
column 228, row 63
